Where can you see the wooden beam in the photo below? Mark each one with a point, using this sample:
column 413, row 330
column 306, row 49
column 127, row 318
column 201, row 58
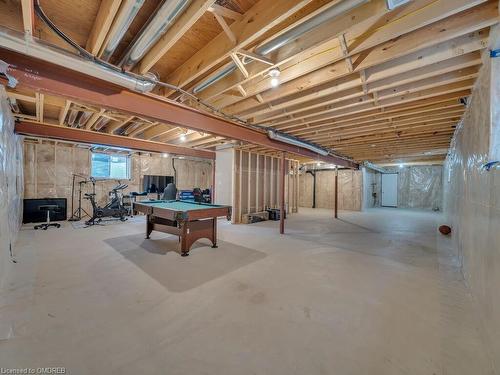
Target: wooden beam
column 102, row 23
column 225, row 12
column 64, row 112
column 239, row 64
column 92, row 137
column 256, row 22
column 392, row 41
column 60, row 81
column 242, row 91
column 158, row 130
column 93, row 119
column 141, row 128
column 255, row 57
column 110, row 129
column 367, row 103
column 369, row 112
column 28, row 10
column 225, row 27
column 174, row 33
column 299, row 52
column 40, row 106
column 321, row 82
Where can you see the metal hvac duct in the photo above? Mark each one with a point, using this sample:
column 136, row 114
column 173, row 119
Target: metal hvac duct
column 157, row 25
column 126, row 15
column 277, row 136
column 34, row 47
column 216, row 77
column 298, row 31
column 287, row 37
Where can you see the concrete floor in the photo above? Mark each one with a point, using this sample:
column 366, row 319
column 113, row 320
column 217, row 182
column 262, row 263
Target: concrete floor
column 373, row 293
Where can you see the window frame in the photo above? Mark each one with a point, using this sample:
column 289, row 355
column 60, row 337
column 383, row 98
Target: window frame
column 128, row 159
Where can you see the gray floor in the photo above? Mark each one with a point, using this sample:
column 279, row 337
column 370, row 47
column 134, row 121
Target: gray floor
column 373, row 293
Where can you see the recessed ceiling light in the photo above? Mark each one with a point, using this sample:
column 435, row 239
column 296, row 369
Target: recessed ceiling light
column 182, row 137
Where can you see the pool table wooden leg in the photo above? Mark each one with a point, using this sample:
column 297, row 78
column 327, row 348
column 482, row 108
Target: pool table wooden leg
column 185, row 245
column 149, row 226
column 214, row 233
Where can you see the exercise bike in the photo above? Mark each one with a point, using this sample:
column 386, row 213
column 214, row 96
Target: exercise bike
column 114, row 208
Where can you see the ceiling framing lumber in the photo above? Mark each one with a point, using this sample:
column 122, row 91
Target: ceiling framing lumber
column 28, row 11
column 86, row 89
column 96, row 138
column 225, row 12
column 463, row 23
column 172, row 36
column 367, row 82
column 102, row 23
column 260, row 18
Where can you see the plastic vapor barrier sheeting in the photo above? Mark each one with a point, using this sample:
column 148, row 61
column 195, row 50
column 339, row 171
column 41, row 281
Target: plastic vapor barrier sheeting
column 11, row 183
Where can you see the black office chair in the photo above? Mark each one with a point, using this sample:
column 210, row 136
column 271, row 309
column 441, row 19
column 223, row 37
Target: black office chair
column 49, row 208
column 170, row 192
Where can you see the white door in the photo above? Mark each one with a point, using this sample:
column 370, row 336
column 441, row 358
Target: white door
column 389, row 189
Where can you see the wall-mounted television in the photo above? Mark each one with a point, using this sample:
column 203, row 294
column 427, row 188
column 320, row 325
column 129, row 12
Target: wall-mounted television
column 156, row 184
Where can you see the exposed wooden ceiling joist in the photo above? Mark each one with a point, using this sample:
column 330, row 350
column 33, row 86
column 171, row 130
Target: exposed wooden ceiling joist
column 71, row 84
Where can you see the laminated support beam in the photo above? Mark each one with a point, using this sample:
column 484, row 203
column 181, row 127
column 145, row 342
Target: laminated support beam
column 96, row 138
column 53, row 79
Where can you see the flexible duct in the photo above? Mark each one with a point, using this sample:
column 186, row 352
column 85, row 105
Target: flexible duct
column 18, row 42
column 157, row 25
column 126, row 15
column 285, row 38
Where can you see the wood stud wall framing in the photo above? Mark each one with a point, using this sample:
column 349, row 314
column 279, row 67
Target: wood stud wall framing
column 256, row 182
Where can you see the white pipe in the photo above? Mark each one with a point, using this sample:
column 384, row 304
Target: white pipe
column 296, row 142
column 156, row 26
column 18, row 42
column 123, row 20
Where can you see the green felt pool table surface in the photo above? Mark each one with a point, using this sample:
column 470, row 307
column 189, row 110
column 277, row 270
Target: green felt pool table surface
column 179, row 205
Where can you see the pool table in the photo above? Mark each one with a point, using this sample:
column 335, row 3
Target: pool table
column 189, row 220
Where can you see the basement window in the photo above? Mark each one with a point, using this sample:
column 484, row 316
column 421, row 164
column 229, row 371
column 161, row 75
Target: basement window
column 110, row 166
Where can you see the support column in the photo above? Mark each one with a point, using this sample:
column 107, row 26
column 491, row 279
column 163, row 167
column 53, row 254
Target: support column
column 212, row 197
column 336, row 192
column 282, row 194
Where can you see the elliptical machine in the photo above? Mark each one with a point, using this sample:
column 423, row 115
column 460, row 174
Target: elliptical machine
column 114, row 208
